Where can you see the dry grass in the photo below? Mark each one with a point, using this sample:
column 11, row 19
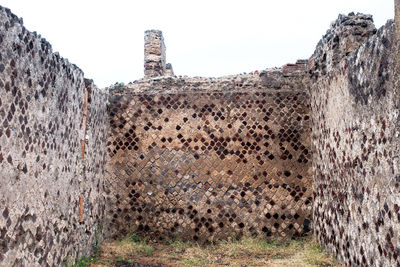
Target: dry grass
column 247, row 252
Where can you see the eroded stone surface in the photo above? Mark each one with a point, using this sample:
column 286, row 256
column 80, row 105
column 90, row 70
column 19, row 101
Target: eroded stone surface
column 355, row 129
column 42, row 172
column 344, row 36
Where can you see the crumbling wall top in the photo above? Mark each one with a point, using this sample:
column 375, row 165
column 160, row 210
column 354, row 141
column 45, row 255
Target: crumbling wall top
column 289, row 77
column 346, row 34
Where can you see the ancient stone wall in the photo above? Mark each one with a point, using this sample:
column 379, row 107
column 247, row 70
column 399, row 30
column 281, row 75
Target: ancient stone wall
column 355, row 133
column 53, row 126
column 205, row 159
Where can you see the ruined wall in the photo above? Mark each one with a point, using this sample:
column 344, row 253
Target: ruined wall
column 204, row 158
column 51, row 202
column 154, row 54
column 155, row 64
column 355, row 133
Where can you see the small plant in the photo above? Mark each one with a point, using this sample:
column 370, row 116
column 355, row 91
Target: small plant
column 135, row 238
column 83, row 262
column 148, row 251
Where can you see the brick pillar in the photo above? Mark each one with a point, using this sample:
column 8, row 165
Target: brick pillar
column 154, row 54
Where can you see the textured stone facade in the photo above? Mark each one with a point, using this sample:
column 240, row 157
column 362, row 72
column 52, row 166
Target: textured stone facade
column 51, row 203
column 355, row 132
column 206, row 159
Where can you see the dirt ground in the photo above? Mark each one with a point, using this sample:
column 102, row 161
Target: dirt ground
column 134, row 251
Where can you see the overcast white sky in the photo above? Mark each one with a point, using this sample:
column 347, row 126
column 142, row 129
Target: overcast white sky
column 203, row 38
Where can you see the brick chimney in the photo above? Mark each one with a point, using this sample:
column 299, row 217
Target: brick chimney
column 154, row 54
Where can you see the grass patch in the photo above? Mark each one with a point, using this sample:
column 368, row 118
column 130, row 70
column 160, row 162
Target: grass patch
column 316, row 256
column 303, row 252
column 129, row 246
column 84, row 262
